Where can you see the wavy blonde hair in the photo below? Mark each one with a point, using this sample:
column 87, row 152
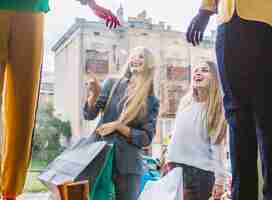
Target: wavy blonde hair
column 214, row 116
column 137, row 100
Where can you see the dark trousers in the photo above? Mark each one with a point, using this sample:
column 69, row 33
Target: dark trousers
column 244, row 54
column 127, row 187
column 197, row 183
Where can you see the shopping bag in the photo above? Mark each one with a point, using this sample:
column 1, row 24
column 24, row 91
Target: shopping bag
column 169, row 187
column 83, row 161
column 103, row 187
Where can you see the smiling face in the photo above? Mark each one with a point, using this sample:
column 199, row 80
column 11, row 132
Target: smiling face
column 202, row 76
column 136, row 63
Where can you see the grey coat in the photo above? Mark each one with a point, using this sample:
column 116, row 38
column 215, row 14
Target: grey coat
column 127, row 153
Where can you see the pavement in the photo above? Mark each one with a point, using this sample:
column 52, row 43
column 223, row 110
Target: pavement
column 35, row 196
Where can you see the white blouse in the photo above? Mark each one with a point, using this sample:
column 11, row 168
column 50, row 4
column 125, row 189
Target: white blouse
column 191, row 145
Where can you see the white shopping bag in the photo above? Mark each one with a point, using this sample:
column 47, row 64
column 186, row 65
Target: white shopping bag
column 170, row 187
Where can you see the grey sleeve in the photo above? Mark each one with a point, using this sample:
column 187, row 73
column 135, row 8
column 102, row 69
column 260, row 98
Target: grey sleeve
column 143, row 136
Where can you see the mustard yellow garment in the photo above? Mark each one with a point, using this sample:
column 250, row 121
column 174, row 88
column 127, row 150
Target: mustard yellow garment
column 255, row 10
column 21, row 38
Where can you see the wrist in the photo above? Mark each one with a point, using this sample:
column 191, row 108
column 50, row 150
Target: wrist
column 205, row 13
column 118, row 125
column 122, row 129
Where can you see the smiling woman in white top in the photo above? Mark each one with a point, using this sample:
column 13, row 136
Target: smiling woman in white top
column 197, row 142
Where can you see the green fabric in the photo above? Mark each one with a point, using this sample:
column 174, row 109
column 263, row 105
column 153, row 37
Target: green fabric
column 25, row 5
column 103, row 188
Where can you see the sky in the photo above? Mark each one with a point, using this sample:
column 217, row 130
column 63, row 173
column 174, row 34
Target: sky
column 176, row 13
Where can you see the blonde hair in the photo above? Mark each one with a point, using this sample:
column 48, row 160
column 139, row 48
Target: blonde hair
column 214, row 116
column 137, row 100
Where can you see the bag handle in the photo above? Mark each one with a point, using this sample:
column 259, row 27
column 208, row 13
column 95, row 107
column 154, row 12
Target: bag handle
column 111, row 94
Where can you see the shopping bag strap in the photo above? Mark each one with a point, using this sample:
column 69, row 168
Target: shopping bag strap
column 111, row 94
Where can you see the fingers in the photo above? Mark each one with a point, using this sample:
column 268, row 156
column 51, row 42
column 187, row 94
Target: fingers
column 107, row 22
column 112, row 21
column 194, row 37
column 195, row 31
column 198, row 37
column 201, row 36
column 103, row 131
column 189, row 33
column 100, row 130
column 116, row 22
column 193, row 34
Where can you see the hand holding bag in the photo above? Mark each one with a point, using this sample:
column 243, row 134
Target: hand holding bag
column 169, row 187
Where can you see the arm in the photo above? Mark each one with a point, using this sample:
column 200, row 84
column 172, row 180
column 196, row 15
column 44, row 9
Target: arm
column 98, row 102
column 219, row 158
column 218, row 152
column 199, row 23
column 219, row 170
column 209, row 5
column 143, row 136
column 103, row 13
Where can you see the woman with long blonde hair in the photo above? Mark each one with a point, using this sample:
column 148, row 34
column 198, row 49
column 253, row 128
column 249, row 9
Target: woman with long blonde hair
column 129, row 117
column 197, row 143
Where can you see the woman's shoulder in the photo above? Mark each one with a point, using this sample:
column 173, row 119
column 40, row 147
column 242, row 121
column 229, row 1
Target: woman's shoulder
column 153, row 101
column 109, row 82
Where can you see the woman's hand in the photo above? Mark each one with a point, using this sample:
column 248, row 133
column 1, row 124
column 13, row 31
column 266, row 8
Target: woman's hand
column 198, row 26
column 108, row 128
column 105, row 14
column 218, row 191
column 93, row 89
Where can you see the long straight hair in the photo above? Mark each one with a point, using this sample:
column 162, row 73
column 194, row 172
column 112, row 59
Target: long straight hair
column 137, row 99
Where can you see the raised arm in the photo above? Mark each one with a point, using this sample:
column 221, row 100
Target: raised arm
column 103, row 13
column 97, row 99
column 199, row 23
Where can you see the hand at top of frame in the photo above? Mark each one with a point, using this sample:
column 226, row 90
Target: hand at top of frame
column 198, row 26
column 105, row 14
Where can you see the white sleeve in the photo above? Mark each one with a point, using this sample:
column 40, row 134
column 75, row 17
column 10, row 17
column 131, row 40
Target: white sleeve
column 173, row 148
column 219, row 158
